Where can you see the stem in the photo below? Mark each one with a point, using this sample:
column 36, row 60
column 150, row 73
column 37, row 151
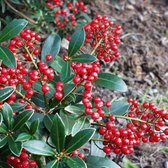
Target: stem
column 31, row 21
column 97, row 45
column 98, row 124
column 80, row 116
column 98, row 139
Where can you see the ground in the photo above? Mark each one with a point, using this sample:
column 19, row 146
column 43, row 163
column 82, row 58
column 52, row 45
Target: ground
column 144, row 60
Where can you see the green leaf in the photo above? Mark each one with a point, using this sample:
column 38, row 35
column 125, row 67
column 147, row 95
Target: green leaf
column 48, row 121
column 15, row 147
column 3, row 128
column 6, row 92
column 119, row 107
column 100, row 162
column 81, row 138
column 51, row 46
column 111, row 81
column 7, row 57
column 17, row 106
column 4, row 165
column 58, row 133
column 75, row 162
column 22, row 118
column 3, row 141
column 52, row 164
column 84, row 58
column 69, row 121
column 7, row 113
column 23, row 137
column 12, row 29
column 75, row 109
column 34, row 126
column 80, row 124
column 76, row 41
column 66, row 72
column 58, row 63
column 129, row 164
column 1, row 118
column 38, row 148
column 38, row 99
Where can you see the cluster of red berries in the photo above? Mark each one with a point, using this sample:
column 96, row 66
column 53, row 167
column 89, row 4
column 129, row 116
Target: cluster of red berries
column 22, row 161
column 101, row 29
column 27, row 40
column 59, row 90
column 78, row 153
column 146, row 125
column 66, row 13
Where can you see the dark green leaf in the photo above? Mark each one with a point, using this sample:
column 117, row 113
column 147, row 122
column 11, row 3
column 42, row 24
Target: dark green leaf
column 51, row 46
column 7, row 113
column 76, row 41
column 15, row 147
column 119, row 107
column 68, row 89
column 38, row 148
column 80, row 124
column 3, row 141
column 58, row 63
column 75, row 162
column 81, row 138
column 34, row 126
column 48, row 121
column 6, row 92
column 38, row 99
column 1, row 118
column 100, row 162
column 75, row 109
column 69, row 121
column 58, row 133
column 52, row 164
column 66, row 72
column 23, row 137
column 129, row 164
column 111, row 81
column 17, row 106
column 7, row 57
column 84, row 58
column 22, row 118
column 12, row 29
column 3, row 128
column 4, row 165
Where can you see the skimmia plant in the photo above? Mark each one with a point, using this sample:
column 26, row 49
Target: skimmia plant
column 50, row 116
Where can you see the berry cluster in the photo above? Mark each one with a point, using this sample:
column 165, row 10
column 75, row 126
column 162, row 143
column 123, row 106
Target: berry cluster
column 102, row 30
column 27, row 40
column 22, row 161
column 78, row 153
column 146, row 125
column 59, row 90
column 67, row 13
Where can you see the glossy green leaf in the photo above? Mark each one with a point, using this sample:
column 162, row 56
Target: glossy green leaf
column 38, row 99
column 111, row 81
column 84, row 58
column 1, row 118
column 52, row 164
column 3, row 128
column 66, row 72
column 3, row 141
column 17, row 106
column 4, row 165
column 80, row 124
column 100, row 162
column 75, row 162
column 75, row 109
column 81, row 138
column 129, row 164
column 58, row 133
column 34, row 126
column 38, row 147
column 7, row 113
column 48, row 121
column 7, row 57
column 58, row 63
column 68, row 89
column 77, row 40
column 15, row 147
column 23, row 137
column 51, row 46
column 22, row 118
column 119, row 107
column 6, row 92
column 12, row 29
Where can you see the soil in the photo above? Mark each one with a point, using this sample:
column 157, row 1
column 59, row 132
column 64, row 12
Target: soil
column 144, row 60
